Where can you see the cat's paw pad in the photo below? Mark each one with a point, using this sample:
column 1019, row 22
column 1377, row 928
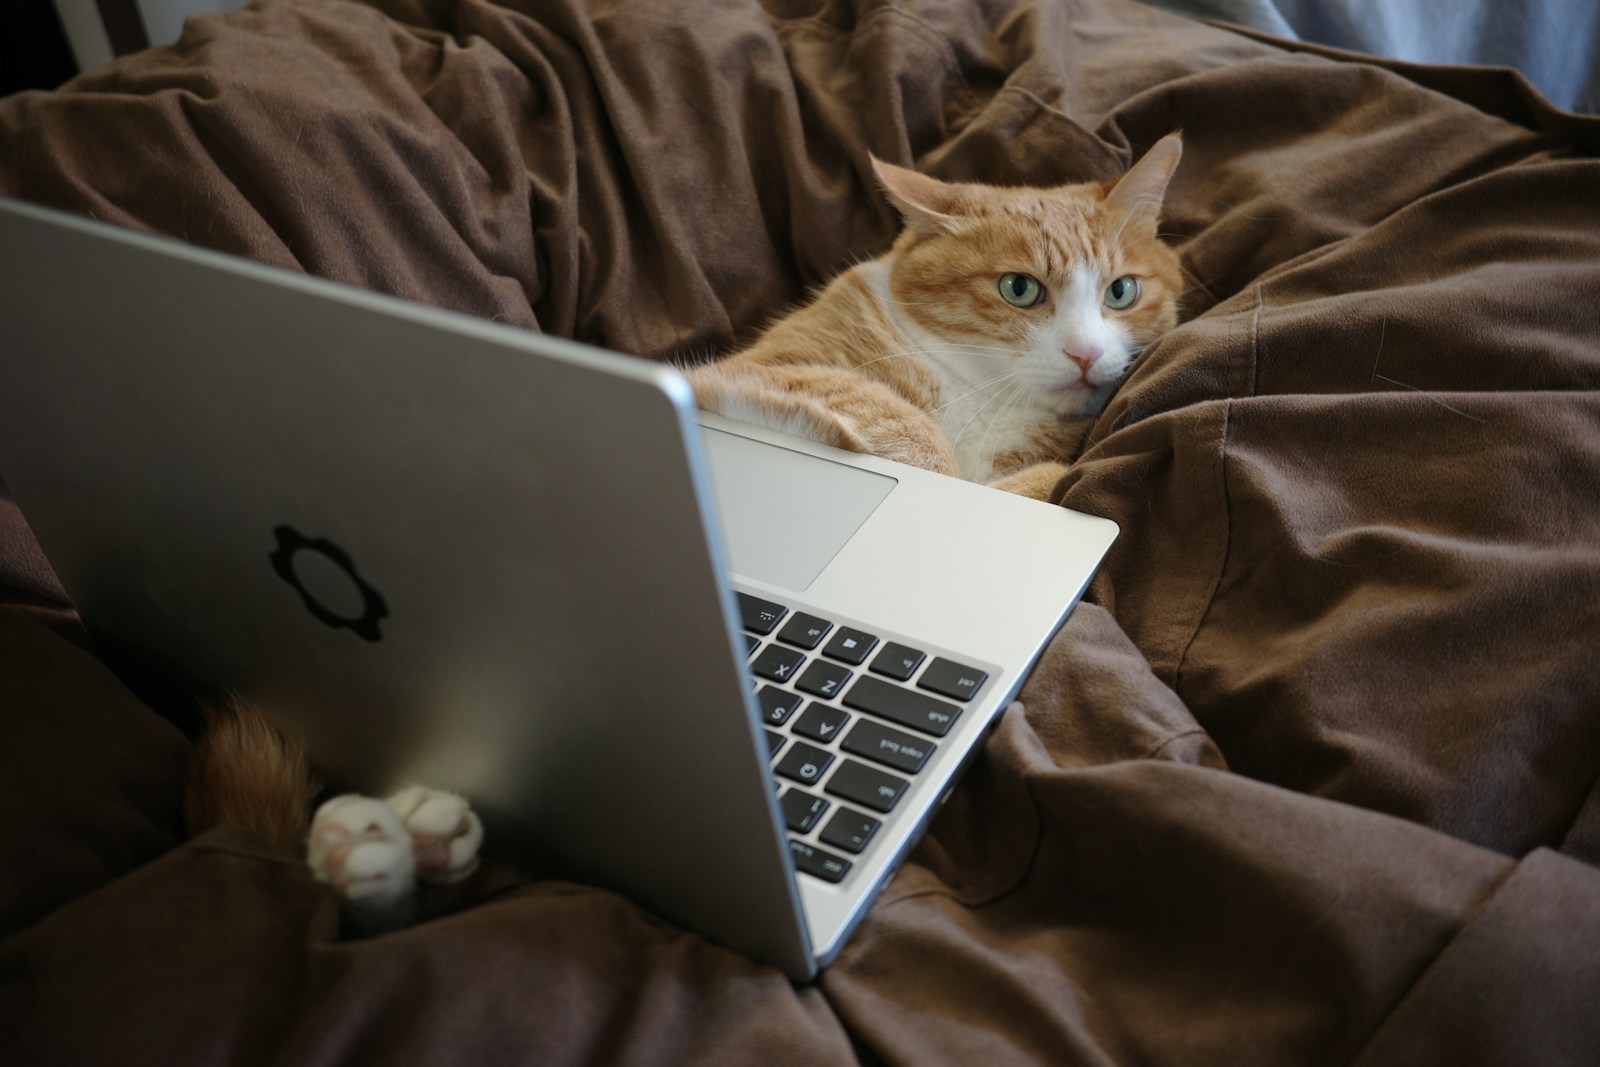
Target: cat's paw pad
column 361, row 847
column 445, row 833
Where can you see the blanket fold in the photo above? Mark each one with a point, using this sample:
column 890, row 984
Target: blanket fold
column 1310, row 777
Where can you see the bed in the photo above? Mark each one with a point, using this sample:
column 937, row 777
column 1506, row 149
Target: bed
column 1310, row 776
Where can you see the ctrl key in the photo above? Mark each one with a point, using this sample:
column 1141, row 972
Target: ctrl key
column 817, row 863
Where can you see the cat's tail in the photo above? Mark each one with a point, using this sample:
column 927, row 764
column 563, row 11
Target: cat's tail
column 245, row 773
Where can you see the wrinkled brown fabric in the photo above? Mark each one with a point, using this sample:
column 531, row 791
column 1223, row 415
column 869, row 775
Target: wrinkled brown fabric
column 1311, row 778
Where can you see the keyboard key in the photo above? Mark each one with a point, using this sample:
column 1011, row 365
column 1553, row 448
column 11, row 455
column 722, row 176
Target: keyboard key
column 751, row 643
column 866, row 786
column 817, row 863
column 801, row 810
column 805, row 631
column 777, row 663
column 823, row 679
column 903, row 706
column 804, row 763
column 898, row 661
column 821, row 722
column 774, row 742
column 850, row 646
column 759, row 616
column 886, row 745
column 777, row 704
column 952, row 679
column 849, row 830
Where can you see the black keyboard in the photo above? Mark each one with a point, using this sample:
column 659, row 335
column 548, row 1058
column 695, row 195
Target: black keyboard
column 851, row 719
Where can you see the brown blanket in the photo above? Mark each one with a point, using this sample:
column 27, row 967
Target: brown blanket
column 1310, row 778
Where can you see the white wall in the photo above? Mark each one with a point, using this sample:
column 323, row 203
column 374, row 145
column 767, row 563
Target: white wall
column 163, row 21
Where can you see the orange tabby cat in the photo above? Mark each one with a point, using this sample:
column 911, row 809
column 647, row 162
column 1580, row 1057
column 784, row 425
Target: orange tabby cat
column 976, row 345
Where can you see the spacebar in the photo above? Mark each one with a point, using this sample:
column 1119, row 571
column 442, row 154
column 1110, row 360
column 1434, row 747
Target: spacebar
column 902, row 706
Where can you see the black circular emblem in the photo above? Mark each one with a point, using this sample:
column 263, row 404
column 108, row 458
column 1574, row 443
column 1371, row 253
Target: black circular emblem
column 290, row 543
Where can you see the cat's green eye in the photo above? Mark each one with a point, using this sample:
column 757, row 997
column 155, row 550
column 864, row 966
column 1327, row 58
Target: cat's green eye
column 1021, row 290
column 1123, row 293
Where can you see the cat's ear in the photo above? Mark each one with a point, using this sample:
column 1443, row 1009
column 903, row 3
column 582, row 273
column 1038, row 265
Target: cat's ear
column 925, row 203
column 1137, row 195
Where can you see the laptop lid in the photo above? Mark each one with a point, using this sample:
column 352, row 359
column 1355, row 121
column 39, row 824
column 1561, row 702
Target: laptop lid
column 510, row 539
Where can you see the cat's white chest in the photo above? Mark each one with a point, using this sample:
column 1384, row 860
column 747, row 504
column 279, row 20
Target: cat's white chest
column 984, row 423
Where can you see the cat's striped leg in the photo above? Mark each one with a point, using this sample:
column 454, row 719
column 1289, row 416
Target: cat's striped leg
column 830, row 405
column 1037, row 481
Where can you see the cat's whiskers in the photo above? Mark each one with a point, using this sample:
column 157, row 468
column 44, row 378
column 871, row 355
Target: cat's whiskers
column 997, row 419
column 933, row 343
column 985, row 351
column 907, row 354
column 996, row 380
column 967, row 348
column 956, row 440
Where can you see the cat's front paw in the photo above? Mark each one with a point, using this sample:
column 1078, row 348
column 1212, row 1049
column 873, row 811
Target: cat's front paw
column 445, row 833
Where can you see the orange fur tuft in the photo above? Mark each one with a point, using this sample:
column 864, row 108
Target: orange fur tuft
column 245, row 773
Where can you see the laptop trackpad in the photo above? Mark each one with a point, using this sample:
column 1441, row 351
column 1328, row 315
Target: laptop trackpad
column 785, row 514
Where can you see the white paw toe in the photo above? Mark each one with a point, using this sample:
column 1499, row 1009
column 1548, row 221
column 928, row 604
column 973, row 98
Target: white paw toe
column 360, row 847
column 445, row 833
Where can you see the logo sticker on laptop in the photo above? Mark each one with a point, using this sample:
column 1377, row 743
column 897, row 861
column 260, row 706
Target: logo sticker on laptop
column 326, row 579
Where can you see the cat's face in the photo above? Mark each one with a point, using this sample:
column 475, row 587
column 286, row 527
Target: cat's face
column 1057, row 288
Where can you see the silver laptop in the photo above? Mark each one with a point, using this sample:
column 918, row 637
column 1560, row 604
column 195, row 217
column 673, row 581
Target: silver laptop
column 731, row 673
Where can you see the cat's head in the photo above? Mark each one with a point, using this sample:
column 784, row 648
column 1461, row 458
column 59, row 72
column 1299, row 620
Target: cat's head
column 1066, row 285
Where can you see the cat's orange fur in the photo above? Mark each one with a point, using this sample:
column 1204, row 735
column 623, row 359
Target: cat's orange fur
column 246, row 773
column 909, row 355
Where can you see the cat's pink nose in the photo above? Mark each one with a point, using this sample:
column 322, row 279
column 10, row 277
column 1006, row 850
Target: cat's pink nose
column 1085, row 357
